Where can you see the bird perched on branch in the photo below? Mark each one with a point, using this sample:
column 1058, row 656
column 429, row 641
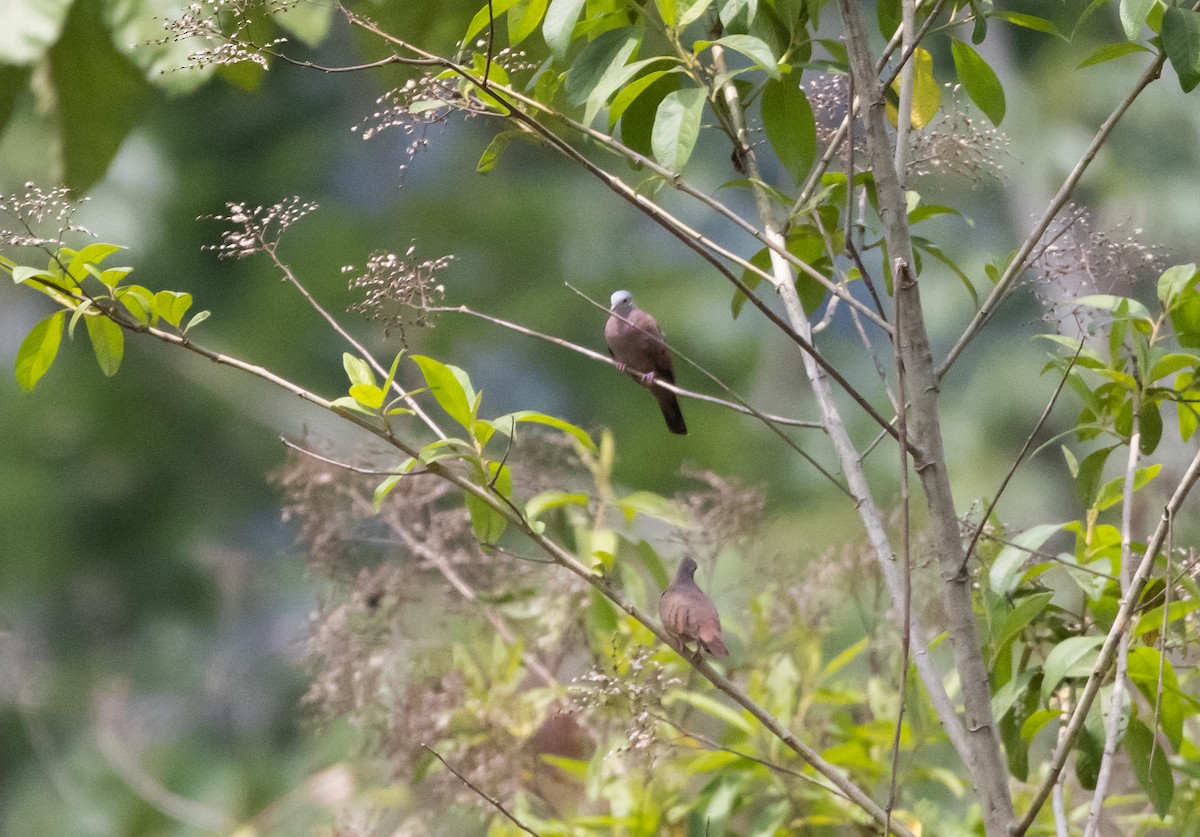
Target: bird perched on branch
column 690, row 616
column 636, row 344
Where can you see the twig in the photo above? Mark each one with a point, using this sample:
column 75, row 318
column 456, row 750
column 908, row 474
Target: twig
column 1017, row 462
column 900, row 269
column 787, row 440
column 346, row 466
column 1112, row 727
column 594, row 355
column 269, row 249
column 490, row 800
column 1109, row 649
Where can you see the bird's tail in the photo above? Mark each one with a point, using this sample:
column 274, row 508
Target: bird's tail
column 670, row 410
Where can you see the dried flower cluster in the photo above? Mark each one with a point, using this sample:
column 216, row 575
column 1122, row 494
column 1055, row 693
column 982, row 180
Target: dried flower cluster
column 399, row 290
column 955, row 143
column 221, row 25
column 1075, row 259
column 32, row 210
column 634, row 686
column 256, row 230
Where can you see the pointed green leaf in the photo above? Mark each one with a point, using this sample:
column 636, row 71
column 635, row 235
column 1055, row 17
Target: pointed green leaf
column 1005, row 570
column 523, row 18
column 357, row 369
column 108, row 343
column 369, row 395
column 611, row 50
column 504, row 424
column 790, row 126
column 1114, row 490
column 484, row 16
column 1181, row 42
column 979, row 80
column 1037, row 24
column 560, row 23
column 1155, row 776
column 38, row 350
column 612, row 80
column 447, row 386
column 756, row 49
column 171, row 306
column 676, row 127
column 1133, row 15
column 1108, row 52
column 1073, row 657
column 491, row 154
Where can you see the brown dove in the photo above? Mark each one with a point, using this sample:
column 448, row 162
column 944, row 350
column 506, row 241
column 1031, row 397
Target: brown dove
column 690, row 616
column 636, row 343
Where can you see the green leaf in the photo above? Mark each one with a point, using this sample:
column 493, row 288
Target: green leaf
column 491, row 154
column 1133, row 15
column 1175, row 282
column 385, row 488
column 637, row 118
column 108, row 343
column 1073, row 657
column 630, row 92
column 734, row 717
column 357, row 369
column 484, row 16
column 1181, row 42
column 542, row 503
column 447, row 385
column 676, row 127
column 99, row 95
column 38, row 350
column 560, row 23
column 927, row 93
column 612, row 80
column 505, row 422
column 756, row 49
column 1114, row 489
column 790, row 126
column 369, row 395
column 1020, row 616
column 649, row 504
column 1037, row 24
column 611, row 50
column 523, row 18
column 172, row 305
column 1143, row 671
column 488, row 523
column 29, row 28
column 92, row 254
column 693, row 13
column 1154, row 777
column 1110, row 51
column 1113, row 304
column 1005, row 570
column 23, row 273
column 200, row 317
column 138, row 301
column 980, row 81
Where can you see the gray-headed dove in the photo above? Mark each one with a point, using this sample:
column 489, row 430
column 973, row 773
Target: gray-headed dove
column 636, row 343
column 690, row 616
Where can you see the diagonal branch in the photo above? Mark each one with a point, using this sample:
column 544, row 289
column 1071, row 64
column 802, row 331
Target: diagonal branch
column 1108, row 650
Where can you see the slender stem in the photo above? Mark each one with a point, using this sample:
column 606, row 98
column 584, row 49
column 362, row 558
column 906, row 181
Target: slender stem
column 1116, row 712
column 491, row 800
column 1108, row 650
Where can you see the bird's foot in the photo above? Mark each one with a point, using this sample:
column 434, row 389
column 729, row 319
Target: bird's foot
column 620, row 366
column 646, row 379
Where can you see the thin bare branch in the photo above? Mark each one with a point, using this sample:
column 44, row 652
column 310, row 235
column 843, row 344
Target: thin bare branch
column 491, row 800
column 1017, row 462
